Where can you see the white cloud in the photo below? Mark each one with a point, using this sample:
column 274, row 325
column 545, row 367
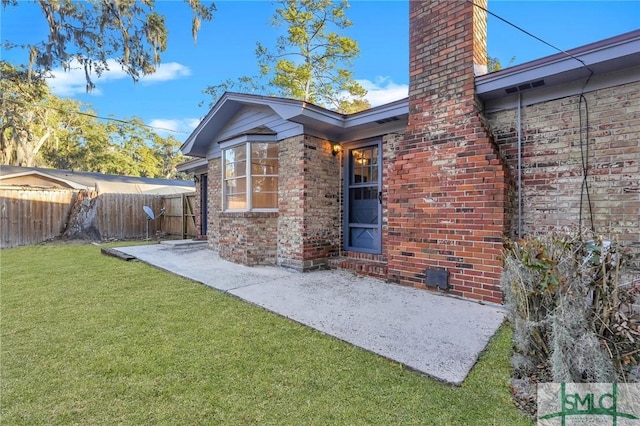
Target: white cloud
column 166, row 72
column 69, row 83
column 73, row 82
column 179, row 128
column 383, row 90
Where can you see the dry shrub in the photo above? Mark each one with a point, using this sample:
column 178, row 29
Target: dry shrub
column 571, row 313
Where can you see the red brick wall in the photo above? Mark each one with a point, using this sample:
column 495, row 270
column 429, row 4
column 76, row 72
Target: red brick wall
column 249, row 238
column 447, row 186
column 309, row 220
column 322, row 220
column 214, row 202
column 291, row 202
column 305, row 231
column 552, row 164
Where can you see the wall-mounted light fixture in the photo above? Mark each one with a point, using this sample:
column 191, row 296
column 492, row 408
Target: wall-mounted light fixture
column 335, row 149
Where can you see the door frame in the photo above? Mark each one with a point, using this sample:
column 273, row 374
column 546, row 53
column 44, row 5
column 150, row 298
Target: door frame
column 204, row 183
column 347, row 168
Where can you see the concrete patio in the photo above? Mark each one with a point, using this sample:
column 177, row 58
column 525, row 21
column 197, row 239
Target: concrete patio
column 434, row 334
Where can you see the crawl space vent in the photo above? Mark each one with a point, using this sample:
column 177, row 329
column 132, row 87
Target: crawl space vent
column 438, row 278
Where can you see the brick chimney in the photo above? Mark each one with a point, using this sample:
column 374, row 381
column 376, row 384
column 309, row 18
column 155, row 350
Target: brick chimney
column 447, row 186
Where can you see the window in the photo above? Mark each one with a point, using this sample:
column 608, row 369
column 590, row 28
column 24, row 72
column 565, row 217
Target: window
column 250, row 176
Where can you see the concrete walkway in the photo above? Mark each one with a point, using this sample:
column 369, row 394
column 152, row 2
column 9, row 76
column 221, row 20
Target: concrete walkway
column 436, row 335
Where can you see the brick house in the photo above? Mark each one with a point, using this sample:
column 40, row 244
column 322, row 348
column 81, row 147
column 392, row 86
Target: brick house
column 422, row 191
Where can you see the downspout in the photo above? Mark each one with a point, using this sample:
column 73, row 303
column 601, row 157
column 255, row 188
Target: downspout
column 341, row 202
column 519, row 127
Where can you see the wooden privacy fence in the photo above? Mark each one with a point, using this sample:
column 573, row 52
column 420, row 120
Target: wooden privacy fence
column 30, row 216
column 121, row 215
column 179, row 216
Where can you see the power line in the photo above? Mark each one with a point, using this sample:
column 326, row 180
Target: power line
column 584, row 144
column 118, row 120
column 531, row 35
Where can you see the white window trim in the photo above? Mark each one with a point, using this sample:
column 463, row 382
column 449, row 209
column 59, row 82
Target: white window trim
column 247, row 140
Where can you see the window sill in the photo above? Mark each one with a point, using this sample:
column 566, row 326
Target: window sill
column 249, row 214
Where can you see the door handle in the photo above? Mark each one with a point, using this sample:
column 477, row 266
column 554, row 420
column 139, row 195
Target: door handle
column 380, row 197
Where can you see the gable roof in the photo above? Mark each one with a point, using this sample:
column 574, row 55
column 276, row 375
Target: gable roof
column 93, row 181
column 312, row 119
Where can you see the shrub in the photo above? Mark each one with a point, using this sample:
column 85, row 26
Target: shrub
column 571, row 313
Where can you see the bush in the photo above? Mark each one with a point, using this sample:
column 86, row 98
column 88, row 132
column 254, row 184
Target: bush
column 571, row 313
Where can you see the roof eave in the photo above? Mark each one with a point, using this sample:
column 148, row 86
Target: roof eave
column 323, row 121
column 192, row 165
column 601, row 57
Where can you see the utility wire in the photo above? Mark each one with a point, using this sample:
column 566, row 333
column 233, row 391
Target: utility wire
column 93, row 115
column 584, row 145
column 584, row 155
column 530, row 34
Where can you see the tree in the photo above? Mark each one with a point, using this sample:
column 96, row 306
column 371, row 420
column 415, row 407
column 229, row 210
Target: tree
column 91, row 32
column 24, row 128
column 310, row 62
column 41, row 129
column 167, row 150
column 79, row 138
column 494, row 64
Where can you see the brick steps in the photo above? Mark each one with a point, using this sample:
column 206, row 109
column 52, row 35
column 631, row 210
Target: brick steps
column 372, row 268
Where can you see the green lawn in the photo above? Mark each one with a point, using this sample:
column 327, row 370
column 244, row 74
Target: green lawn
column 90, row 339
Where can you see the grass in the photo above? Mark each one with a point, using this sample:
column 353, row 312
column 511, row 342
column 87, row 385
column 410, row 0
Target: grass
column 90, row 339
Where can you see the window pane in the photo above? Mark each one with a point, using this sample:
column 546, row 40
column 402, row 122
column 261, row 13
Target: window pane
column 264, row 166
column 236, row 202
column 258, row 151
column 264, row 184
column 272, row 150
column 264, row 175
column 235, row 169
column 237, row 153
column 265, row 192
column 364, row 165
column 361, row 175
column 265, row 200
column 373, row 173
column 264, row 150
column 236, row 186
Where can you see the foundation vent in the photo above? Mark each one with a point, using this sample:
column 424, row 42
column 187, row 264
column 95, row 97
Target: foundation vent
column 438, row 278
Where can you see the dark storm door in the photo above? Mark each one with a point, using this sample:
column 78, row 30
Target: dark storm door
column 363, row 198
column 203, row 205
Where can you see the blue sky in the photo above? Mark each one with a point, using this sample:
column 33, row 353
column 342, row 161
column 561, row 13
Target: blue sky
column 225, row 49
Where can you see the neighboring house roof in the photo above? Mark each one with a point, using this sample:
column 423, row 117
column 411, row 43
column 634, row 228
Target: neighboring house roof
column 102, row 183
column 305, row 118
column 613, row 61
